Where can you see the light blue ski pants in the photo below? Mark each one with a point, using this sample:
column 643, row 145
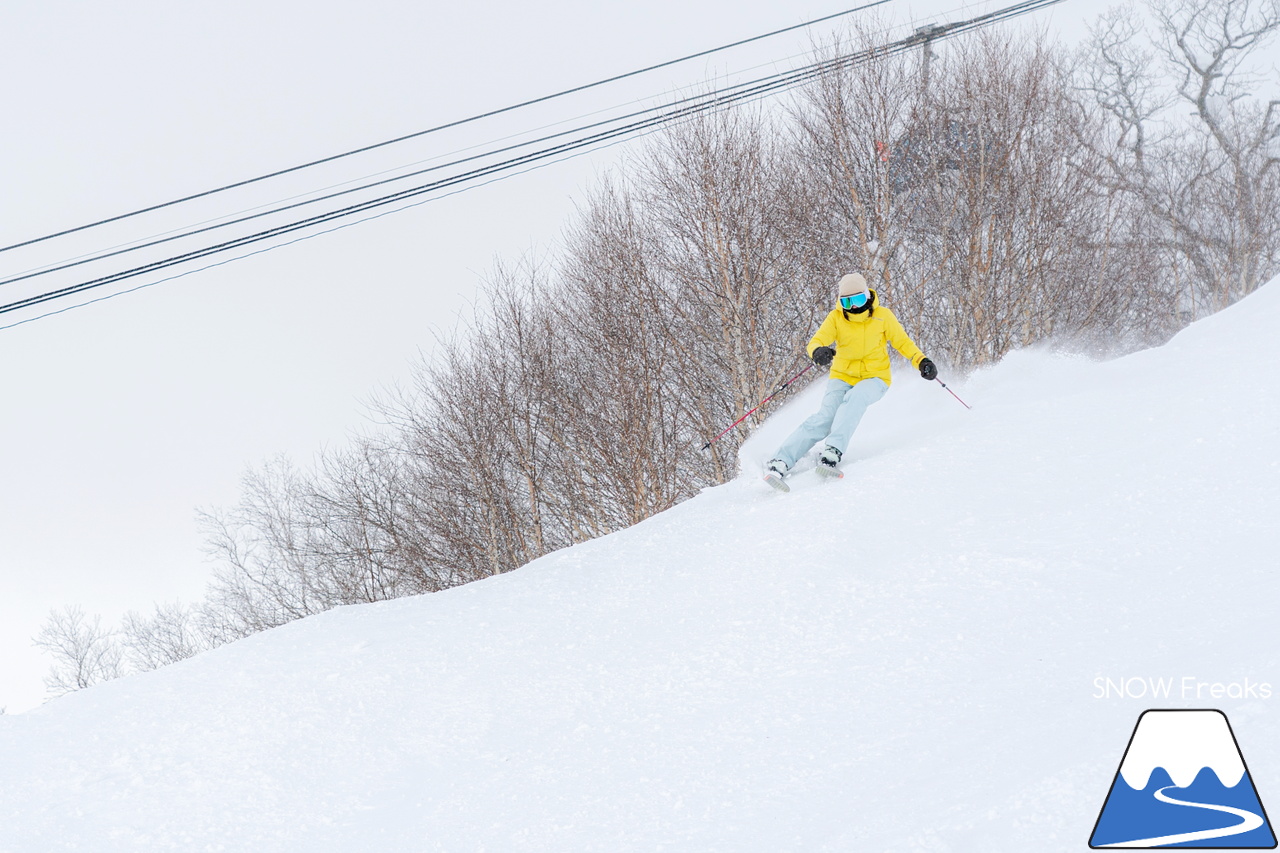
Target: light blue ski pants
column 843, row 406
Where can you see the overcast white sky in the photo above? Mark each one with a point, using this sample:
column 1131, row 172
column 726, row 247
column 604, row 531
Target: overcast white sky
column 120, row 419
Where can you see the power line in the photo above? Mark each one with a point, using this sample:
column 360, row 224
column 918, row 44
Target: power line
column 744, row 92
column 265, row 249
column 440, row 127
column 189, row 229
column 91, row 258
column 713, row 98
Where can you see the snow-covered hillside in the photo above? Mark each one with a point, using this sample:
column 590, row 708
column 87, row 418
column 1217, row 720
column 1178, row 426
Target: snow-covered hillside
column 901, row 660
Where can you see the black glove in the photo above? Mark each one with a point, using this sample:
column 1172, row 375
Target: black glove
column 822, row 356
column 928, row 370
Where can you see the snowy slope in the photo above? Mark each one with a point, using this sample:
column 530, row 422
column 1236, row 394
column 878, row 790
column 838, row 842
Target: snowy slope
column 902, row 660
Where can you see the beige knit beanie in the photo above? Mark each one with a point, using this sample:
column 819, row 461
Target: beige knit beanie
column 852, row 283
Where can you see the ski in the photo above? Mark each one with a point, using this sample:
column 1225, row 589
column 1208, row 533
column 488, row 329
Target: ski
column 778, row 482
column 775, row 479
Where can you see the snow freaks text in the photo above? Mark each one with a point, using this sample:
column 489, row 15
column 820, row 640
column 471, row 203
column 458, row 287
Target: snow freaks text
column 1184, row 687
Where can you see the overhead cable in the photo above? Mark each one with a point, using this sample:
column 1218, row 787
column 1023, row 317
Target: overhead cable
column 437, row 128
column 716, row 100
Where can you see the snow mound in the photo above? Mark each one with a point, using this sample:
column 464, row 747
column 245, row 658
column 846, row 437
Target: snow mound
column 901, row 660
column 1183, row 743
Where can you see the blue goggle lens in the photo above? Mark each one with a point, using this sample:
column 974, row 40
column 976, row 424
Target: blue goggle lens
column 857, row 300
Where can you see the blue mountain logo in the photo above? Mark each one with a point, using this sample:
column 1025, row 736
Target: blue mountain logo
column 1183, row 783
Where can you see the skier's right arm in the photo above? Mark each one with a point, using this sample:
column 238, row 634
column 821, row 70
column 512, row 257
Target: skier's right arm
column 823, row 339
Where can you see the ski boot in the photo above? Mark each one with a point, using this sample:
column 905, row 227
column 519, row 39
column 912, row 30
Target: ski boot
column 828, row 461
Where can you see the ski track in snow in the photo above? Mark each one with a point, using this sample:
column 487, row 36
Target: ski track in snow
column 901, row 660
column 1248, row 822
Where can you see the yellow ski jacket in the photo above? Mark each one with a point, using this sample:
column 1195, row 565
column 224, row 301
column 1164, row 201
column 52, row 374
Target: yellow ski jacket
column 861, row 343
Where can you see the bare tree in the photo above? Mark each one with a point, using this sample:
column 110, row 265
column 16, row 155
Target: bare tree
column 265, row 578
column 964, row 193
column 625, row 366
column 173, row 632
column 84, row 652
column 1202, row 156
column 301, row 543
column 1031, row 251
column 861, row 138
column 713, row 194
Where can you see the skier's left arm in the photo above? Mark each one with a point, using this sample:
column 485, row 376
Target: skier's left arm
column 902, row 343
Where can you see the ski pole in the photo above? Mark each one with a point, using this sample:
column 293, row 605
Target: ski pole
column 952, row 393
column 758, row 405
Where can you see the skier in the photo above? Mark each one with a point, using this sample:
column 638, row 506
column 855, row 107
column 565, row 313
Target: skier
column 853, row 339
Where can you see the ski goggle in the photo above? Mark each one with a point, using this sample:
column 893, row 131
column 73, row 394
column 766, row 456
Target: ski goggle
column 857, row 300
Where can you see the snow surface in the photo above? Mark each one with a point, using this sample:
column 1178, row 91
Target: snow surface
column 901, row 660
column 1183, row 743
